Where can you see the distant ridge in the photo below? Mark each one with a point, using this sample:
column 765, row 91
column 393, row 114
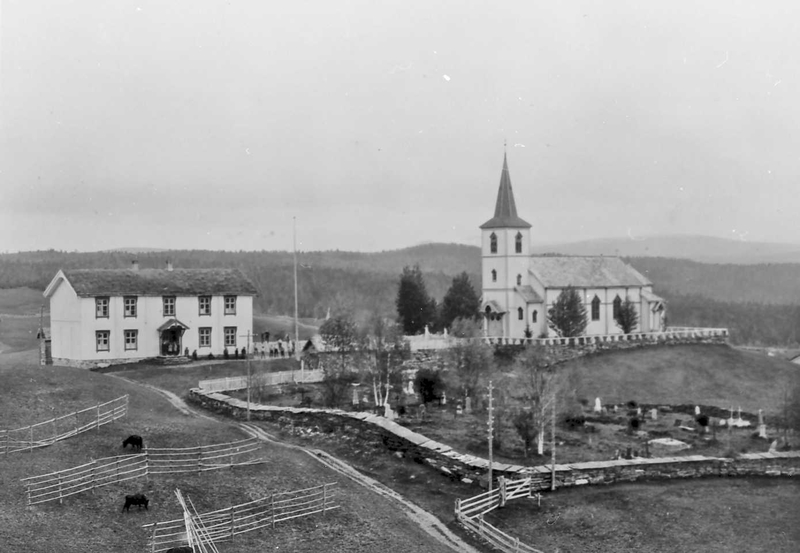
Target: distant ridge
column 705, row 249
column 135, row 250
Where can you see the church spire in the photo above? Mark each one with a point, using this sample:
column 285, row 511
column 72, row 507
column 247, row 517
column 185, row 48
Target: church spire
column 505, row 210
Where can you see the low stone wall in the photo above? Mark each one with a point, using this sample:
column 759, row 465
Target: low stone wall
column 382, row 432
column 95, row 363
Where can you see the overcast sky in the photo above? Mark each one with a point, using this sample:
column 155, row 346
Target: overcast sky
column 378, row 124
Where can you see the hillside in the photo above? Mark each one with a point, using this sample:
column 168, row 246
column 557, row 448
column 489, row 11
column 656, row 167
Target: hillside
column 759, row 303
column 689, row 374
column 706, row 249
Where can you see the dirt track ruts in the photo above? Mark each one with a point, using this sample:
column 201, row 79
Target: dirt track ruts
column 425, row 520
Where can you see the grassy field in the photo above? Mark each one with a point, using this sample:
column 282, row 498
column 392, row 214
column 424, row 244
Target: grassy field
column 690, row 516
column 93, row 522
column 694, row 374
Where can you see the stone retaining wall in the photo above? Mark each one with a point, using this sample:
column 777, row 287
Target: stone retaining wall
column 382, row 432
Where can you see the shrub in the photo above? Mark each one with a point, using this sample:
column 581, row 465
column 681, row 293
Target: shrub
column 194, row 355
column 225, row 354
column 211, row 356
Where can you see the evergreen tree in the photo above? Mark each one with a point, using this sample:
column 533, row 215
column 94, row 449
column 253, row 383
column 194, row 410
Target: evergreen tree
column 415, row 308
column 460, row 302
column 567, row 317
column 627, row 318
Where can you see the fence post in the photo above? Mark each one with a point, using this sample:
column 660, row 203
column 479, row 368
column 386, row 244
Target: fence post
column 76, row 423
column 5, row 433
column 146, row 465
column 272, row 508
column 117, row 467
column 60, row 497
column 199, row 458
column 31, row 436
column 28, row 486
column 233, row 516
column 324, row 497
column 458, row 509
column 94, row 475
column 153, row 539
column 516, row 546
column 98, row 418
column 127, row 405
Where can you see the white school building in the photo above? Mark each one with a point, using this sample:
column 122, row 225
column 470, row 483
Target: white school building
column 102, row 316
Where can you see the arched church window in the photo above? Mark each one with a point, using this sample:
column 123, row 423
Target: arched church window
column 596, row 309
column 494, row 275
column 518, row 244
column 493, row 243
column 520, row 314
column 617, row 306
column 488, row 309
column 519, row 280
column 534, row 316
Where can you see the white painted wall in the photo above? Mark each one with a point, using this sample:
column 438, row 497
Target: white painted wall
column 77, row 339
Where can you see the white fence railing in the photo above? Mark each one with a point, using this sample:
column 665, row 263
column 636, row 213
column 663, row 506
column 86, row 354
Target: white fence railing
column 470, row 513
column 60, row 428
column 265, row 512
column 435, row 342
column 112, row 470
column 262, row 379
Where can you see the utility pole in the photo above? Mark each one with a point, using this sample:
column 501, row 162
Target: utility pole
column 296, row 327
column 553, row 446
column 491, row 433
column 247, row 362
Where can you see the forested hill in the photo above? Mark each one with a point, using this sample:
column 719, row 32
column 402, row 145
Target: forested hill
column 759, row 303
column 332, row 279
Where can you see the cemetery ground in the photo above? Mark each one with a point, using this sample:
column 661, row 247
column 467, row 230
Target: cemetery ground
column 93, row 522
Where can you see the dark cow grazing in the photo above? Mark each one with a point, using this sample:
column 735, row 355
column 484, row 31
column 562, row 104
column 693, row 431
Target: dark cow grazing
column 181, row 549
column 135, row 499
column 134, row 441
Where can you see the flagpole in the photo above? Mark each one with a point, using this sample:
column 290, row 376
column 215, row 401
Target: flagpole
column 296, row 331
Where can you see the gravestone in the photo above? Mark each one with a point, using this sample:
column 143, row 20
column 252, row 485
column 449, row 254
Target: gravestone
column 762, row 431
column 459, row 411
column 468, row 405
column 615, row 408
column 653, row 414
column 638, row 411
column 773, row 447
column 597, row 405
column 410, row 387
column 444, row 398
column 387, row 412
column 696, row 410
column 760, row 417
column 355, row 397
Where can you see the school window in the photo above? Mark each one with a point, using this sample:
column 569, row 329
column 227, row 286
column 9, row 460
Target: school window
column 518, row 243
column 617, row 306
column 169, row 306
column 520, row 314
column 205, row 337
column 205, row 305
column 534, row 316
column 102, row 339
column 519, row 280
column 493, row 243
column 130, row 306
column 596, row 309
column 494, row 275
column 230, row 336
column 101, row 308
column 230, row 305
column 131, row 339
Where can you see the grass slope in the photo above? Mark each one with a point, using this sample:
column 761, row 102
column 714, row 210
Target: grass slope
column 93, row 522
column 701, row 374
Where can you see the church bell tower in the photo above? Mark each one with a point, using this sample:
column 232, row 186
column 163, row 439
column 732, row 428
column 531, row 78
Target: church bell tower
column 505, row 259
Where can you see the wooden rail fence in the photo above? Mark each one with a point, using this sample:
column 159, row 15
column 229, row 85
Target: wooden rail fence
column 112, row 470
column 262, row 379
column 46, row 433
column 227, row 523
column 470, row 512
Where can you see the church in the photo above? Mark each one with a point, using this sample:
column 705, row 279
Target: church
column 519, row 288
